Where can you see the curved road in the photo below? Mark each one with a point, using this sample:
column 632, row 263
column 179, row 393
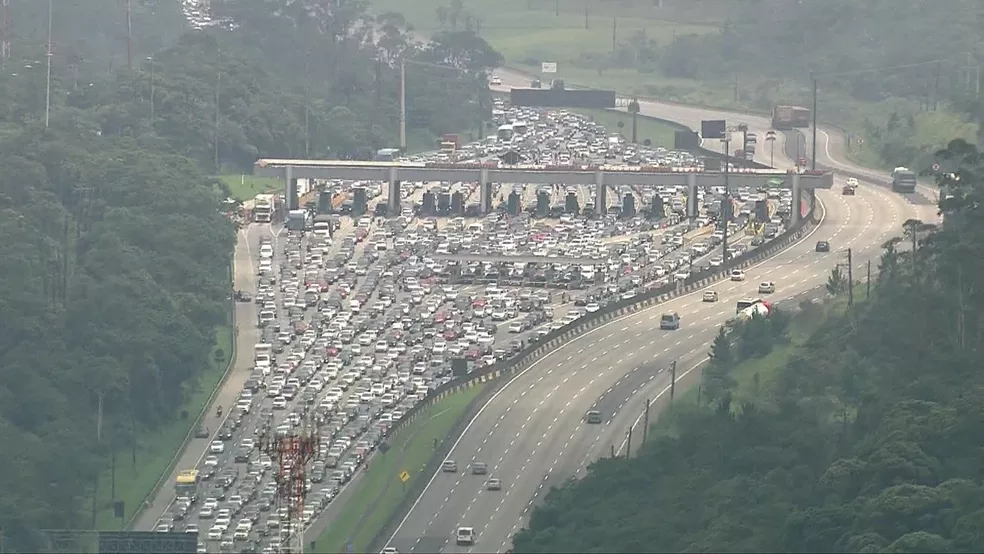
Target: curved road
column 531, row 433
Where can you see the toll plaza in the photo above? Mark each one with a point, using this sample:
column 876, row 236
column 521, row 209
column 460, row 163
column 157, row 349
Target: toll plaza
column 485, row 174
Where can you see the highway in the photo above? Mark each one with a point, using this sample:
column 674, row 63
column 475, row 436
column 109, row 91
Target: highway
column 531, row 434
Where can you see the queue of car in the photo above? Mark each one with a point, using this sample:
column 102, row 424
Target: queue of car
column 360, row 321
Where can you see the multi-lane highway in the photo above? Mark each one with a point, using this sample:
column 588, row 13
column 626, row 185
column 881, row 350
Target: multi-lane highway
column 532, row 433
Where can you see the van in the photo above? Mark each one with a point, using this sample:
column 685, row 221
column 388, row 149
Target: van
column 465, row 536
column 669, row 321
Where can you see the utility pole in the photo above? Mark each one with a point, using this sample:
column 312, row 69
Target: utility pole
column 645, row 421
column 813, row 158
column 613, row 452
column 867, row 293
column 585, row 15
column 727, row 198
column 151, row 60
column 936, row 85
column 850, row 279
column 4, row 56
column 672, row 379
column 614, row 33
column 557, row 8
column 129, row 39
column 403, row 105
column 628, row 445
column 47, row 82
column 215, row 136
column 307, row 110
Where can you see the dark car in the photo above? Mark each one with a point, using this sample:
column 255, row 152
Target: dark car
column 823, row 246
column 202, row 432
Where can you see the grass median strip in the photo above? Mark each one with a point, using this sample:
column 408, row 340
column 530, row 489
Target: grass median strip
column 138, row 468
column 378, row 495
column 246, row 187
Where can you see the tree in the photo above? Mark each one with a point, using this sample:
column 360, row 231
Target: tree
column 836, row 282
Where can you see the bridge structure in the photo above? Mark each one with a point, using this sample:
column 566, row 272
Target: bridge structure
column 485, row 174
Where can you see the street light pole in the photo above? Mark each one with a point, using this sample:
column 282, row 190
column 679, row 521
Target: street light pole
column 813, row 158
column 727, row 197
column 151, row 60
column 403, row 106
column 47, row 82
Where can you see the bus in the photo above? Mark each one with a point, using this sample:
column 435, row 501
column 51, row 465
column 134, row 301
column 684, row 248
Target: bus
column 186, row 484
column 903, row 180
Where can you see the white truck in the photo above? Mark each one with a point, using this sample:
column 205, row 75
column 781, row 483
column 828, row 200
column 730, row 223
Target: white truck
column 263, row 355
column 264, row 207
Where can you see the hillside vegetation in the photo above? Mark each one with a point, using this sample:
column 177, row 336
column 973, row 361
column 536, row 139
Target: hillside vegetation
column 116, row 250
column 868, row 440
column 877, row 61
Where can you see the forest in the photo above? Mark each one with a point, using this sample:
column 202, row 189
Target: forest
column 862, row 53
column 868, row 439
column 116, row 252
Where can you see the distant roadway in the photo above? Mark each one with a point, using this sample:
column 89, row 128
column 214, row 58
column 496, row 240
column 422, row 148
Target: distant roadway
column 531, row 434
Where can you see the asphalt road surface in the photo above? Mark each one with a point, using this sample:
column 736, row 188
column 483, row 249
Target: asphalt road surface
column 532, row 434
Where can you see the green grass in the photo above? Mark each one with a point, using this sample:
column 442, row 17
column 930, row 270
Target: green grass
column 155, row 449
column 379, row 494
column 659, row 133
column 521, row 33
column 245, row 187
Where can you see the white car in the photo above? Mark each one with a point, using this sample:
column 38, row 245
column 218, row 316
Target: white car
column 217, row 447
column 737, row 275
column 496, row 81
column 710, row 296
column 852, row 182
column 592, row 307
column 768, row 287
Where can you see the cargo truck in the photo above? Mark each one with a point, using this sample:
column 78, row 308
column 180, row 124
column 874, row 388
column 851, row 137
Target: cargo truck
column 296, row 220
column 785, row 118
column 265, row 207
column 903, row 180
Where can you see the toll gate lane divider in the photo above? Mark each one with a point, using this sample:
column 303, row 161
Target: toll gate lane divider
column 558, row 339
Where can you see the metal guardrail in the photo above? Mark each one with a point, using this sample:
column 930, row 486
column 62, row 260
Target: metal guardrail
column 557, row 339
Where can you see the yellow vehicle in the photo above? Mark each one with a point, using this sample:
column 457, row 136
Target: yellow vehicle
column 186, row 483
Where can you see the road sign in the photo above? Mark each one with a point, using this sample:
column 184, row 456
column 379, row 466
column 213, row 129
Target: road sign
column 936, row 167
column 404, row 476
column 548, row 67
column 860, row 140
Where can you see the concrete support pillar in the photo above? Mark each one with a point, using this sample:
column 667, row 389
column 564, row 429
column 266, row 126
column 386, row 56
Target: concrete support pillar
column 393, row 202
column 601, row 193
column 797, row 206
column 692, row 196
column 485, row 191
column 290, row 189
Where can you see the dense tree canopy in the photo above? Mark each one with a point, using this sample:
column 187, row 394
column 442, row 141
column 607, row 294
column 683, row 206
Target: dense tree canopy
column 869, row 440
column 115, row 252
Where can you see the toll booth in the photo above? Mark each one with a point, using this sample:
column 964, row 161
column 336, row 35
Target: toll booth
column 359, row 204
column 761, row 211
column 428, row 206
column 542, row 203
column 324, row 202
column 628, row 205
column 457, row 203
column 570, row 204
column 513, row 206
column 657, row 210
column 444, row 203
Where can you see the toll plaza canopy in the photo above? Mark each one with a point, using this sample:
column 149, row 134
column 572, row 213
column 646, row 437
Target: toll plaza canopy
column 539, row 174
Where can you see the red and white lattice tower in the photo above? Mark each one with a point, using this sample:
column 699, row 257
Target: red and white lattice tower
column 292, row 452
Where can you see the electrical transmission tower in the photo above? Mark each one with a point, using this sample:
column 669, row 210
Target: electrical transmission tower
column 292, row 452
